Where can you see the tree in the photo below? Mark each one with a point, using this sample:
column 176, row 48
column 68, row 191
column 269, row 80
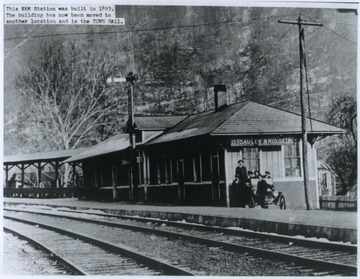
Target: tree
column 67, row 98
column 343, row 114
column 343, row 150
column 65, row 89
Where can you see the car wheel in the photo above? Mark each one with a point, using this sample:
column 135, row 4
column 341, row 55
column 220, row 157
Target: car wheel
column 282, row 203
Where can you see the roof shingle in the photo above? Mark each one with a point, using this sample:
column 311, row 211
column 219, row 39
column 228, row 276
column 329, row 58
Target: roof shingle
column 255, row 118
column 157, row 122
column 199, row 124
column 116, row 143
column 244, row 118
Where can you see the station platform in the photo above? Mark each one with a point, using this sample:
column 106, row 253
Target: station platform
column 328, row 225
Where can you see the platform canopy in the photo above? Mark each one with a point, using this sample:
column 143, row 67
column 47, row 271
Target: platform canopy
column 114, row 144
column 48, row 156
column 38, row 160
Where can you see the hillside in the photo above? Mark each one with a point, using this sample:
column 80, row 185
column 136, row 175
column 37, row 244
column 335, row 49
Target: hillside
column 179, row 54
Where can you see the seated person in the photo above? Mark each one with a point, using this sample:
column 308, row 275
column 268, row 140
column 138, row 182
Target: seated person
column 267, row 174
column 267, row 177
column 262, row 190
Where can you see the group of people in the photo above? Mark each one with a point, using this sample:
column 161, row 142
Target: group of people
column 242, row 193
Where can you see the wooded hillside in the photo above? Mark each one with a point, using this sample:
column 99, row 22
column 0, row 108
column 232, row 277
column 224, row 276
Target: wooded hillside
column 179, row 54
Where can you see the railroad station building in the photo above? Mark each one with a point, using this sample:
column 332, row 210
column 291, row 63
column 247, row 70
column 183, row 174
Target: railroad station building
column 106, row 166
column 192, row 159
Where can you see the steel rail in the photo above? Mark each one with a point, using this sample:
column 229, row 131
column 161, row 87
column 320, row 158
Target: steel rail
column 279, row 238
column 229, row 246
column 253, row 234
column 152, row 263
column 67, row 263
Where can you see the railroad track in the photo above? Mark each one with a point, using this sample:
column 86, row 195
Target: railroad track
column 84, row 255
column 322, row 257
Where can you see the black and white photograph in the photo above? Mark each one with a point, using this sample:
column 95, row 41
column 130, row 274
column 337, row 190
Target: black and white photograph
column 179, row 139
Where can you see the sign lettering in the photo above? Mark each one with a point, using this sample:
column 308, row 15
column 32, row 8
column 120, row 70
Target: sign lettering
column 262, row 141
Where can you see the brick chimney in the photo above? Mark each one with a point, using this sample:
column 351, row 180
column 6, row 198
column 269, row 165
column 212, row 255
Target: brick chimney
column 221, row 99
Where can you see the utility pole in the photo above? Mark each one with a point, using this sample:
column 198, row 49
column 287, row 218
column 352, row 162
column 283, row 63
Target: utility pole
column 303, row 105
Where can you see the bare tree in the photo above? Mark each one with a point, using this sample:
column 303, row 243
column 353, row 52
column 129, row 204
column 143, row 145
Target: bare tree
column 66, row 92
column 342, row 156
column 344, row 114
column 67, row 98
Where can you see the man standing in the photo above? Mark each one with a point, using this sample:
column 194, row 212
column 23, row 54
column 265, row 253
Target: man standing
column 242, row 173
column 235, row 188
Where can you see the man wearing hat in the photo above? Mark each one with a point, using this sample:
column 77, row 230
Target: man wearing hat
column 267, row 174
column 243, row 178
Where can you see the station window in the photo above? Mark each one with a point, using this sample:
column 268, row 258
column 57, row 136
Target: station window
column 162, row 170
column 153, row 170
column 292, row 160
column 197, row 168
column 251, row 158
column 174, row 169
column 158, row 171
column 206, row 166
column 97, row 179
column 122, row 175
column 106, row 174
column 188, row 169
column 168, row 170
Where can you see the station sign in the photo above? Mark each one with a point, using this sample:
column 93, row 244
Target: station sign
column 235, row 142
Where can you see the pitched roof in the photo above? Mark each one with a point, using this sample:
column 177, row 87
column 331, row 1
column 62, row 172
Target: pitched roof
column 42, row 156
column 116, row 143
column 322, row 165
column 199, row 124
column 257, row 119
column 156, row 122
column 244, row 118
